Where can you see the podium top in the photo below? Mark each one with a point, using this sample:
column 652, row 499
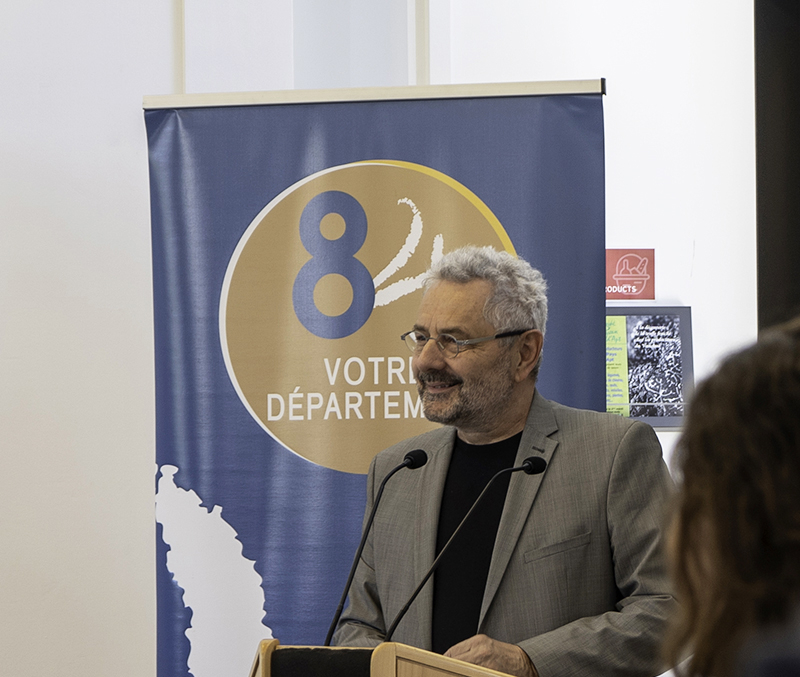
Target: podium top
column 392, row 659
column 389, row 659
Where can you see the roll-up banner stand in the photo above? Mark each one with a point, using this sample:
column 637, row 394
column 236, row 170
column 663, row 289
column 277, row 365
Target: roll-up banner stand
column 290, row 230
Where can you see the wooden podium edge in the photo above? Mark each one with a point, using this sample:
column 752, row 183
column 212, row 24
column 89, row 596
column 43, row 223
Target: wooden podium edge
column 263, row 659
column 392, row 659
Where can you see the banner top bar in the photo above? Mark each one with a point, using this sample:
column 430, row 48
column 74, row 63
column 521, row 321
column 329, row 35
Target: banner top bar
column 375, row 94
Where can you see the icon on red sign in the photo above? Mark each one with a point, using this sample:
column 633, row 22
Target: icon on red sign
column 630, row 274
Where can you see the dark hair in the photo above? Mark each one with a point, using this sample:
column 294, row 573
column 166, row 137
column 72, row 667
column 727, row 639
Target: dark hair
column 735, row 537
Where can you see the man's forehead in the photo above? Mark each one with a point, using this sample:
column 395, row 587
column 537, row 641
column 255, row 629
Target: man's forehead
column 453, row 305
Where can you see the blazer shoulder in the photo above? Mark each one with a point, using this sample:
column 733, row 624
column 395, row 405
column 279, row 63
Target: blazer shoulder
column 431, row 442
column 600, row 430
column 570, row 417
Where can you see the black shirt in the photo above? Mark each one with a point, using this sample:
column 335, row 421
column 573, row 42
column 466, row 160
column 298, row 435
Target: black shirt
column 459, row 582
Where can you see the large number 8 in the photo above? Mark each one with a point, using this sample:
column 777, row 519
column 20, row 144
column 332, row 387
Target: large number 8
column 330, row 257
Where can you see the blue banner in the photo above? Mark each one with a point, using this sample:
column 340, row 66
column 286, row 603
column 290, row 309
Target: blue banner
column 288, row 244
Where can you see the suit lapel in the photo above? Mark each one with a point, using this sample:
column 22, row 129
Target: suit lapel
column 522, row 490
column 429, row 495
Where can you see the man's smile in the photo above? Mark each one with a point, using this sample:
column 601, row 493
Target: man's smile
column 435, row 383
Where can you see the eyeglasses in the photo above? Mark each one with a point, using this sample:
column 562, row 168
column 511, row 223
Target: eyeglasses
column 450, row 345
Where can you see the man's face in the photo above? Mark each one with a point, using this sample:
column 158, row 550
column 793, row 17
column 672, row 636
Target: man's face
column 471, row 390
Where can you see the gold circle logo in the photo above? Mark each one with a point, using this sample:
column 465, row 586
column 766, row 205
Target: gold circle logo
column 317, row 293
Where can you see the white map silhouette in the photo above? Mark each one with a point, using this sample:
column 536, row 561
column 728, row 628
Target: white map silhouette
column 219, row 584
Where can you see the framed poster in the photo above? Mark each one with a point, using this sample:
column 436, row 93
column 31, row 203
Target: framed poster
column 649, row 369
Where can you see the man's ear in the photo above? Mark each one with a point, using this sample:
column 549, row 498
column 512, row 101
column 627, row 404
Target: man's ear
column 530, row 348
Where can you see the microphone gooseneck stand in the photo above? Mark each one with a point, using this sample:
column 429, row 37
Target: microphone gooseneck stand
column 412, row 460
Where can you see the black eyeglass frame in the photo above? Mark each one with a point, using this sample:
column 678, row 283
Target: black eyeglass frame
column 459, row 343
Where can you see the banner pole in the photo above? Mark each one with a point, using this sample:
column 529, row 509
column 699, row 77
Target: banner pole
column 422, row 41
column 179, row 47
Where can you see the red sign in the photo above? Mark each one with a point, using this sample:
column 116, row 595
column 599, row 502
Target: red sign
column 630, row 274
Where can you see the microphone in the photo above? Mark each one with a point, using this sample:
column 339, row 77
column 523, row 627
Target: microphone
column 412, row 460
column 533, row 465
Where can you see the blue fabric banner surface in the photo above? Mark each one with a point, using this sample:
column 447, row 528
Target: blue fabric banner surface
column 288, row 241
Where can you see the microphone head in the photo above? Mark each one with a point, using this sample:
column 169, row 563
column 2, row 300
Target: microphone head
column 534, row 465
column 415, row 459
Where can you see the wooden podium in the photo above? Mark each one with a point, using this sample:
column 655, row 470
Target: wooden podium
column 386, row 660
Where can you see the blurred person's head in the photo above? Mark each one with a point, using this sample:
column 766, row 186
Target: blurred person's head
column 735, row 537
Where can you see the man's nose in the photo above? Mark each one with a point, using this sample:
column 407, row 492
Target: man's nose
column 430, row 357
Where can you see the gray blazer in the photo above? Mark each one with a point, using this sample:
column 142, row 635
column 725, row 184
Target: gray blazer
column 577, row 577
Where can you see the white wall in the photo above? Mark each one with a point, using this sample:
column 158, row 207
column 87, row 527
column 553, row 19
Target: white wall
column 76, row 364
column 238, row 45
column 680, row 134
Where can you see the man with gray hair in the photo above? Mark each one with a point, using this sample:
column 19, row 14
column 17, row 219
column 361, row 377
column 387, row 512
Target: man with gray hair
column 556, row 574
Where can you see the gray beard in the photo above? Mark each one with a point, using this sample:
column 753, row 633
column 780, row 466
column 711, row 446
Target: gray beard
column 475, row 407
